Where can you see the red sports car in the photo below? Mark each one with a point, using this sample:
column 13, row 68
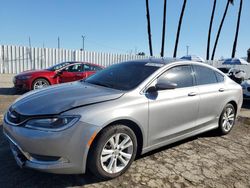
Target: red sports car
column 60, row 73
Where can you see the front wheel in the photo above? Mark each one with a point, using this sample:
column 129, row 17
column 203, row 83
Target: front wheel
column 40, row 83
column 227, row 119
column 113, row 152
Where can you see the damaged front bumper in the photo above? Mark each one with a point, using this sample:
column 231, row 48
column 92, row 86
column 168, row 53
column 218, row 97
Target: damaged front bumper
column 43, row 163
column 62, row 152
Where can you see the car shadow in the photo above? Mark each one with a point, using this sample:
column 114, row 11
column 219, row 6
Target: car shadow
column 246, row 104
column 212, row 133
column 11, row 91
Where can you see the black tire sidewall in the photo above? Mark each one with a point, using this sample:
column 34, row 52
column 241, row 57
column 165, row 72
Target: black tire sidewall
column 94, row 162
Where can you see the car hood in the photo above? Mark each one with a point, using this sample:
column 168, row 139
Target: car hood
column 29, row 72
column 63, row 97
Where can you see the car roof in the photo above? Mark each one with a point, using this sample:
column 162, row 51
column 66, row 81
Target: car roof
column 168, row 61
column 157, row 60
column 82, row 62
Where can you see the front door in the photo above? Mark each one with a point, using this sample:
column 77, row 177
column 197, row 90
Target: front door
column 71, row 73
column 173, row 112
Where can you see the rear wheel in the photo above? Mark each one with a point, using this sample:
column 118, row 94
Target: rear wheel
column 40, row 83
column 227, row 119
column 113, row 152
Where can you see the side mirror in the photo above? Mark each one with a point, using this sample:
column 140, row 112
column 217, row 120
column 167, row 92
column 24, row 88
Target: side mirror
column 164, row 84
column 59, row 72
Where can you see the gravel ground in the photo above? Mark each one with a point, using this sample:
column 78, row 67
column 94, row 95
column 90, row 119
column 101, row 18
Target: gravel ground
column 207, row 160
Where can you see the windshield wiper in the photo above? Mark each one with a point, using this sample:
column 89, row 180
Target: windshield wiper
column 102, row 84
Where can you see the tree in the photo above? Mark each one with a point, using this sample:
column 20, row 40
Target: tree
column 248, row 55
column 210, row 29
column 149, row 29
column 220, row 27
column 237, row 30
column 163, row 28
column 179, row 28
column 141, row 54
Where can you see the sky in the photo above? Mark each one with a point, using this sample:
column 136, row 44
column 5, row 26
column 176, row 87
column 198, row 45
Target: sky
column 119, row 26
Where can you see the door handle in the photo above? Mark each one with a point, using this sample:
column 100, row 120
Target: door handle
column 221, row 89
column 78, row 74
column 192, row 94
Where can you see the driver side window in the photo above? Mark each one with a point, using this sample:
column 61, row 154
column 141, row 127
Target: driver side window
column 74, row 68
column 180, row 75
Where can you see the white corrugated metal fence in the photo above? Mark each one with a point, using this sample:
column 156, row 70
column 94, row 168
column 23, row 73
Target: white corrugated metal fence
column 15, row 59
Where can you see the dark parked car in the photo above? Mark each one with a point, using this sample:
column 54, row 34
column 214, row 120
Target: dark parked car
column 60, row 73
column 235, row 74
column 224, row 69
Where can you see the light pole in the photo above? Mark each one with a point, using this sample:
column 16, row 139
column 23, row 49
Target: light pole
column 58, row 42
column 187, row 49
column 83, row 40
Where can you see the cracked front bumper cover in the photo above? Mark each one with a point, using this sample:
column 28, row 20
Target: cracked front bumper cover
column 63, row 152
column 25, row 159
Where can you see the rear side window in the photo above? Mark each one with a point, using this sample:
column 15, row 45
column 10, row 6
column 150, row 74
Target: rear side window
column 204, row 75
column 96, row 68
column 181, row 75
column 87, row 68
column 220, row 77
column 91, row 68
column 74, row 68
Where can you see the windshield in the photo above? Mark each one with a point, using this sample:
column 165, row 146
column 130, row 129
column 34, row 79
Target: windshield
column 124, row 76
column 58, row 66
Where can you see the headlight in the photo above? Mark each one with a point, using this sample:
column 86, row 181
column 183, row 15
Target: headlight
column 52, row 124
column 25, row 77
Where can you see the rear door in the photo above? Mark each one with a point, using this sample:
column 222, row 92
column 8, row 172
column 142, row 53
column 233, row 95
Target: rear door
column 212, row 93
column 90, row 69
column 173, row 112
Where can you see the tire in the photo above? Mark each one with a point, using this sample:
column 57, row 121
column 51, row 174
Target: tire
column 227, row 119
column 100, row 160
column 40, row 83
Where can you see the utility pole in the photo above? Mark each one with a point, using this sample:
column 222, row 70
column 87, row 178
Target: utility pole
column 29, row 42
column 30, row 54
column 58, row 42
column 43, row 60
column 83, row 40
column 135, row 50
column 187, row 48
column 3, row 58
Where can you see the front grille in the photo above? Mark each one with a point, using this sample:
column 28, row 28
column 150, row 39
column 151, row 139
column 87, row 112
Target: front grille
column 248, row 89
column 44, row 158
column 15, row 117
column 19, row 154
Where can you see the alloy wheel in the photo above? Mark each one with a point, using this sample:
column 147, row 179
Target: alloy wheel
column 228, row 119
column 40, row 84
column 116, row 153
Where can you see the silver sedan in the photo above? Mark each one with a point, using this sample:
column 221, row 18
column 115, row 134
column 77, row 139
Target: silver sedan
column 102, row 123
